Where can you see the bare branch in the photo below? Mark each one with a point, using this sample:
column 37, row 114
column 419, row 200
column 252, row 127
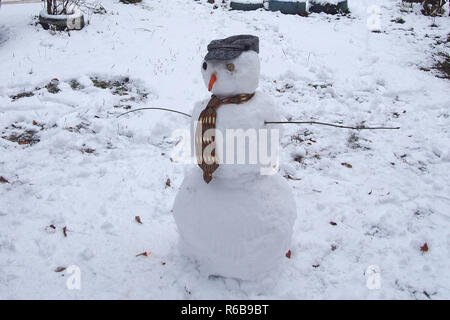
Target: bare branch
column 276, row 122
column 332, row 125
column 154, row 108
column 56, row 7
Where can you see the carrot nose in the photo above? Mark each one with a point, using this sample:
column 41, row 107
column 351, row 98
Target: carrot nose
column 212, row 81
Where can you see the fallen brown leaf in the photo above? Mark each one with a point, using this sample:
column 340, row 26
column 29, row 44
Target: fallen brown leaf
column 348, row 165
column 168, row 183
column 289, row 177
column 60, row 269
column 288, row 254
column 333, row 223
column 3, row 180
column 87, row 150
column 65, row 231
column 424, row 248
column 145, row 253
column 138, row 219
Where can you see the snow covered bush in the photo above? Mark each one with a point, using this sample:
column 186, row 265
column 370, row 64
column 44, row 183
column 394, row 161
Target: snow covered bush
column 65, row 14
column 430, row 7
column 328, row 6
column 433, row 7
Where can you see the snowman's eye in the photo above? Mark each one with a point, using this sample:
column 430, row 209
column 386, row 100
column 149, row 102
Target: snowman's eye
column 230, row 66
column 205, row 66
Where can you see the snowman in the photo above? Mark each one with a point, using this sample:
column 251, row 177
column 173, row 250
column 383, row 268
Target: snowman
column 234, row 217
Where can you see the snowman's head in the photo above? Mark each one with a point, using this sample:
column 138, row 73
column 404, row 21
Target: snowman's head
column 231, row 66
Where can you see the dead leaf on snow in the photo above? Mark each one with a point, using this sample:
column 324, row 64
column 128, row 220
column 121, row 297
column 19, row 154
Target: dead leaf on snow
column 288, row 254
column 348, row 165
column 145, row 254
column 424, row 248
column 289, row 177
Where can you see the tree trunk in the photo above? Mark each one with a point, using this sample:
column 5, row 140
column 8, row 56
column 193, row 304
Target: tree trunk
column 49, row 6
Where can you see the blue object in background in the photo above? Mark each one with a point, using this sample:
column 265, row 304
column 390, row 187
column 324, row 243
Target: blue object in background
column 245, row 6
column 291, row 7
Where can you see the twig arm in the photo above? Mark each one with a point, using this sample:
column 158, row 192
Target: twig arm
column 276, row 122
column 332, row 125
column 155, row 108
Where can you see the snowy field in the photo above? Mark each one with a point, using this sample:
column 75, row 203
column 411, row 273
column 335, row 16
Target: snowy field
column 364, row 198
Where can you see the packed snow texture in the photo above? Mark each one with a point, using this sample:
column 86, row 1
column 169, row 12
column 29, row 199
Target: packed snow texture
column 365, row 198
column 75, row 13
column 240, row 229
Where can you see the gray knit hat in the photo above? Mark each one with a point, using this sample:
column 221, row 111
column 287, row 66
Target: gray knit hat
column 232, row 47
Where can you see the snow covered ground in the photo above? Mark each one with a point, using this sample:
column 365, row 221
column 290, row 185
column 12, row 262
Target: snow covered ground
column 366, row 198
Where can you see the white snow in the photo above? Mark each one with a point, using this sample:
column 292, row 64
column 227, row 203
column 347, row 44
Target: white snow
column 326, row 1
column 74, row 13
column 249, row 1
column 94, row 173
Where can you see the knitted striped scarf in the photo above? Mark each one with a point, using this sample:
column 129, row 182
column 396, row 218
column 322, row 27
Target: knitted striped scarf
column 205, row 138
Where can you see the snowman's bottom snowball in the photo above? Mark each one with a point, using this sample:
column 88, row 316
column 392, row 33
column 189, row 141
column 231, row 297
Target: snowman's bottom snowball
column 240, row 230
